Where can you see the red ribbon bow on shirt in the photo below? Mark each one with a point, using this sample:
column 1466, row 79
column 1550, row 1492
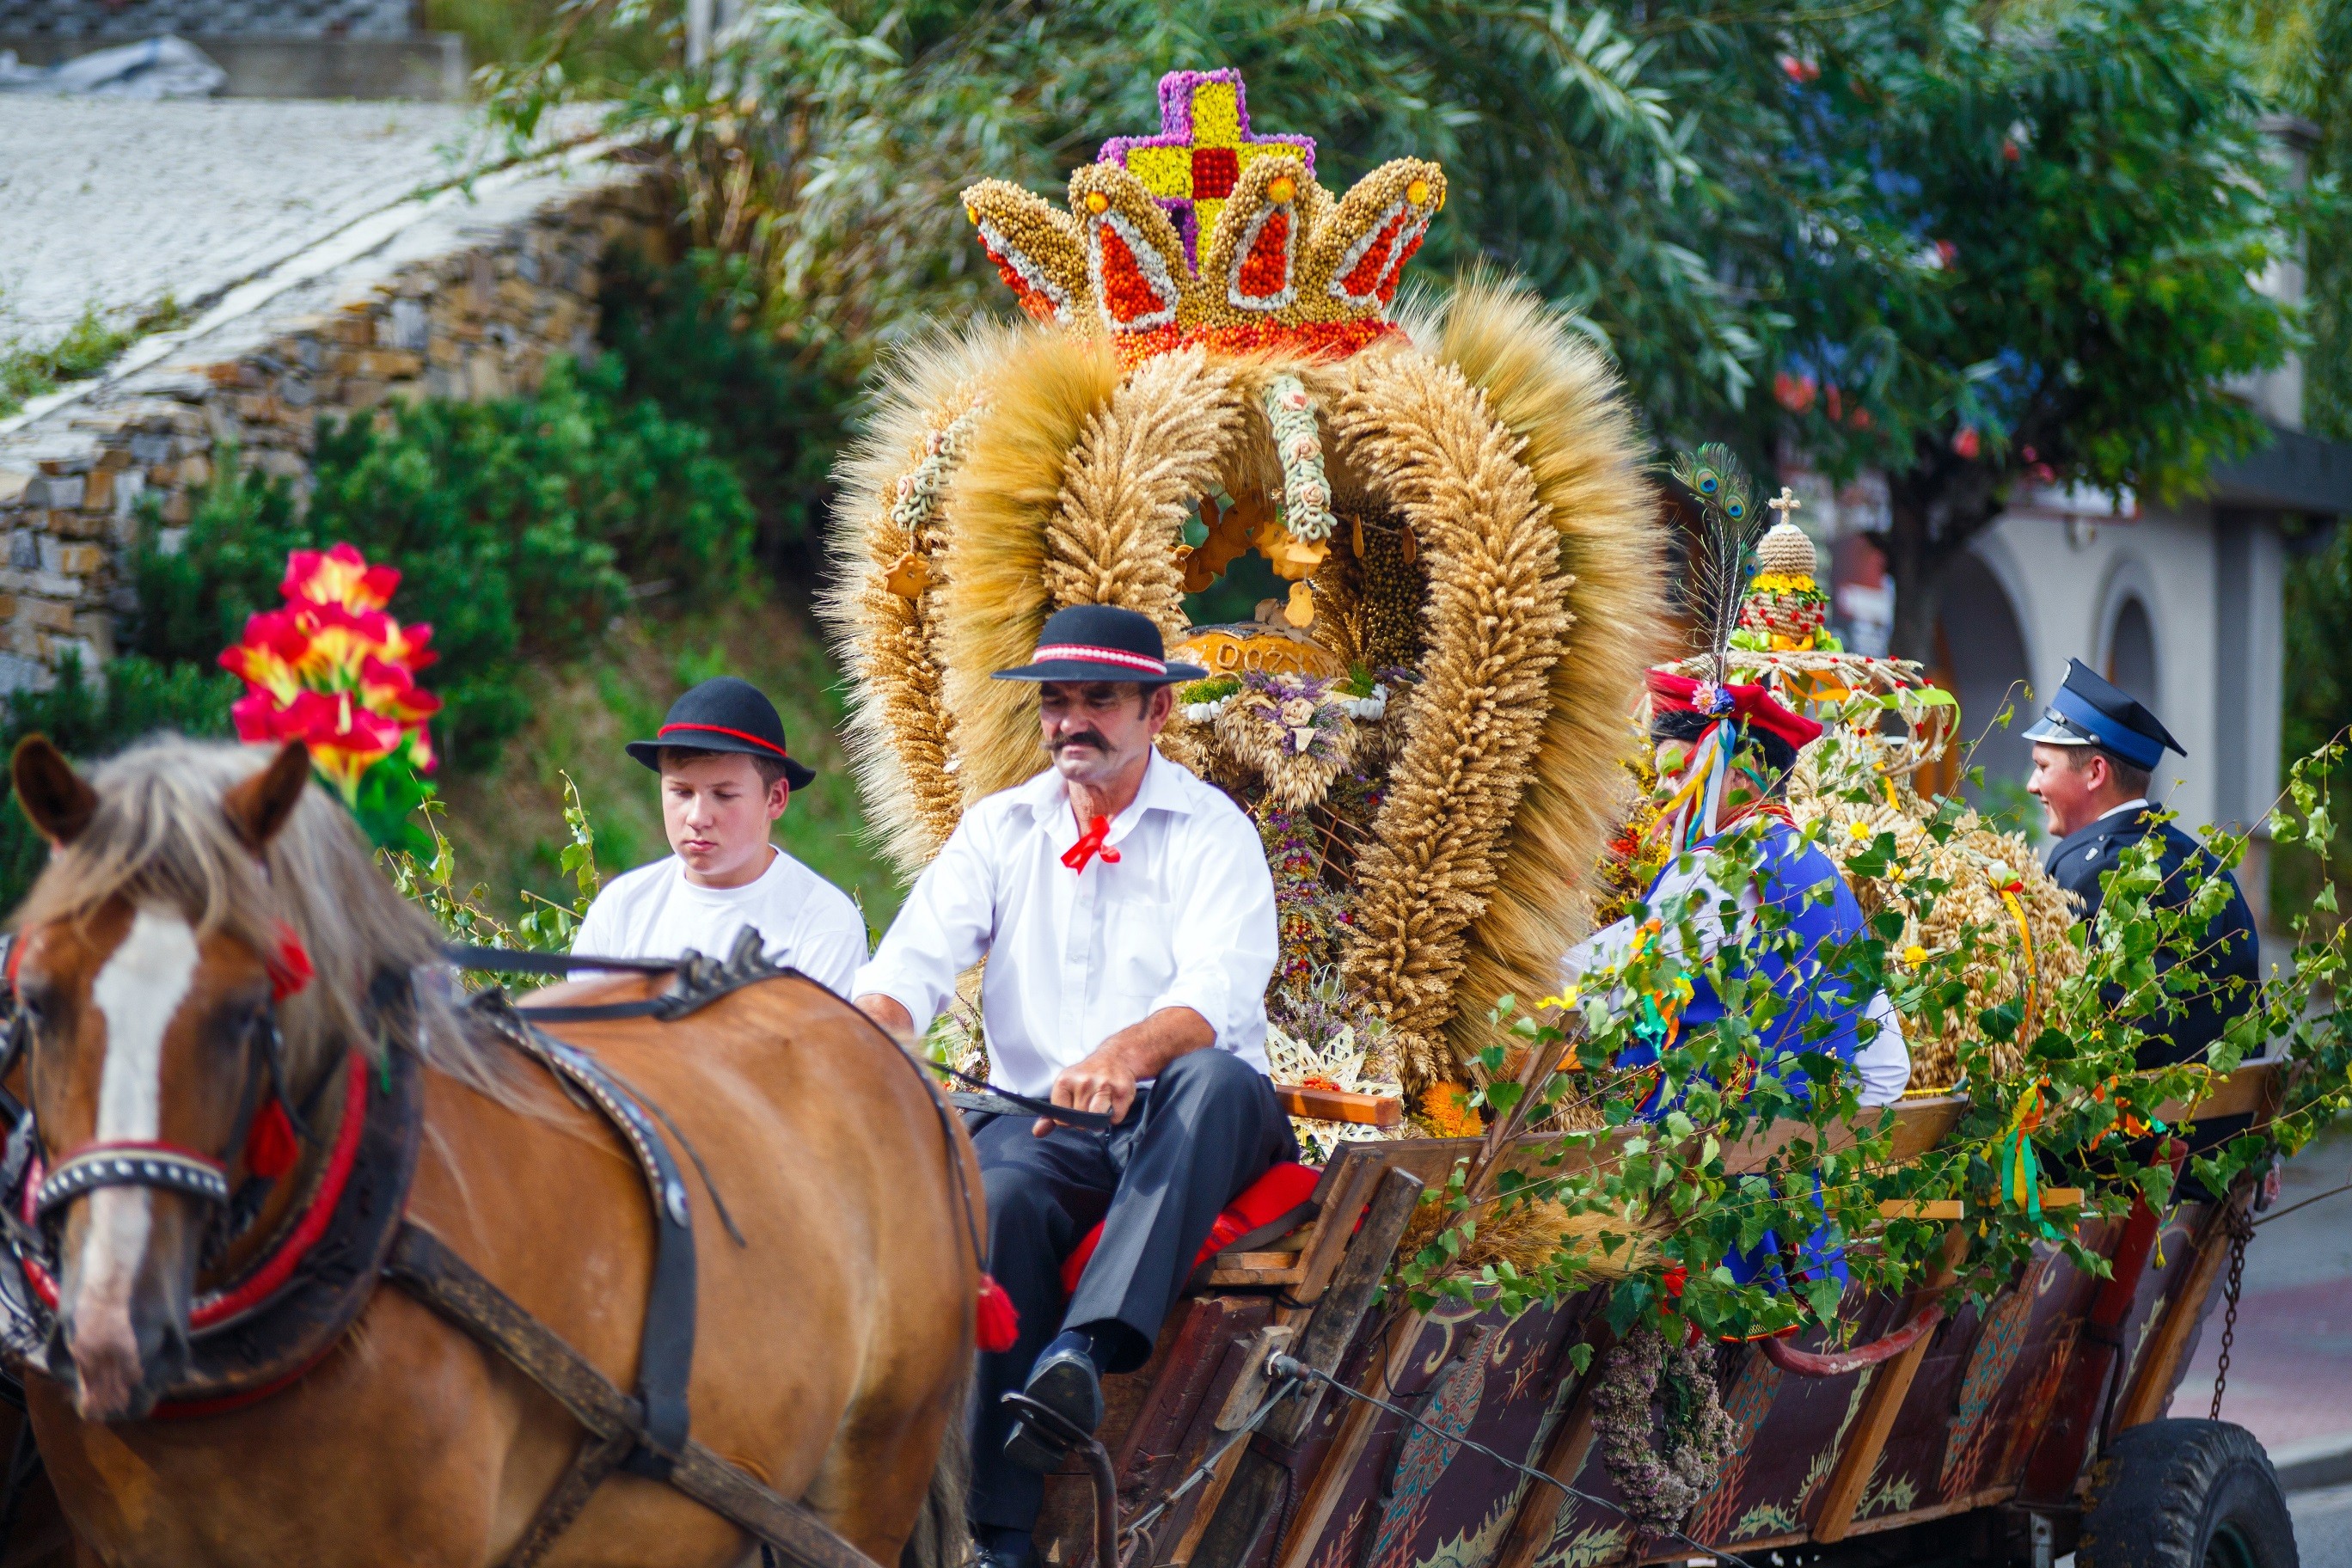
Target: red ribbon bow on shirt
column 1089, row 845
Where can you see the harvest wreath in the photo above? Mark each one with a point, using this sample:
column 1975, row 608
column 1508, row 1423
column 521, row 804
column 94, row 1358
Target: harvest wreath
column 1427, row 726
column 1430, row 727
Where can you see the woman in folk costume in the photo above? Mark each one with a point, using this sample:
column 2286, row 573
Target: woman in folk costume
column 1725, row 752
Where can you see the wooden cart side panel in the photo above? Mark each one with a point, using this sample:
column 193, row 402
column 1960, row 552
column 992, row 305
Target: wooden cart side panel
column 1413, row 1497
column 1157, row 1421
column 2175, row 1316
column 1947, row 1448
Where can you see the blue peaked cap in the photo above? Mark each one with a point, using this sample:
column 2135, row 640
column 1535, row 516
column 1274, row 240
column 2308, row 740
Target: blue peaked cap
column 2089, row 711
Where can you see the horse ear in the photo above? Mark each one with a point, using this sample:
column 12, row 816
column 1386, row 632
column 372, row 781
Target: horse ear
column 260, row 806
column 57, row 800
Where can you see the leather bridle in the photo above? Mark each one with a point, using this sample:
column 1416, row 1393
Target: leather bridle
column 164, row 1167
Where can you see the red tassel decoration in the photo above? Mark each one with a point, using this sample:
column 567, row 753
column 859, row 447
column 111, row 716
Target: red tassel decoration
column 995, row 1318
column 290, row 967
column 270, row 1150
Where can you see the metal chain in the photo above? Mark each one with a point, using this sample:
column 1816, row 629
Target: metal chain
column 2242, row 1231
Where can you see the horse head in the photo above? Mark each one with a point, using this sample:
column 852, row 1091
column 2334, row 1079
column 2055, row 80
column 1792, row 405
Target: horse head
column 150, row 1044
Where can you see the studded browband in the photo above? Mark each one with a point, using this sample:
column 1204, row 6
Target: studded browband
column 165, row 1165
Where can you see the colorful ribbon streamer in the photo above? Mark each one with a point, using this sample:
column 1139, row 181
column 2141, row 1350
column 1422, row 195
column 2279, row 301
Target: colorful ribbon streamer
column 2020, row 1172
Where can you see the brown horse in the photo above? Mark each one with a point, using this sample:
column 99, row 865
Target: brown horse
column 188, row 885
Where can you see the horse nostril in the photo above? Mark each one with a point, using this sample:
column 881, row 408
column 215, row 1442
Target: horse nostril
column 107, row 1364
column 170, row 1361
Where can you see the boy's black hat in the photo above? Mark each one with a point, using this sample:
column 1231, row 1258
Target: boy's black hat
column 724, row 715
column 1101, row 642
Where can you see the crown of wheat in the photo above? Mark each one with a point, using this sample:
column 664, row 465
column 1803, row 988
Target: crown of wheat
column 1207, row 233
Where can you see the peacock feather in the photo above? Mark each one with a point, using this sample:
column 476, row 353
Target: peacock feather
column 1730, row 524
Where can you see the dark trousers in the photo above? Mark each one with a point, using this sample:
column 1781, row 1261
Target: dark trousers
column 1206, row 1128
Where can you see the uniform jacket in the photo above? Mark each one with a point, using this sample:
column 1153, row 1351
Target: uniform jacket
column 2229, row 951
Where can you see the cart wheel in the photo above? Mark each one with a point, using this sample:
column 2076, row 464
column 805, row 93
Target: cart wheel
column 2186, row 1494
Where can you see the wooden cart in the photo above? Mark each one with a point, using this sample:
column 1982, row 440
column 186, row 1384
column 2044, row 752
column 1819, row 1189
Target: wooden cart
column 1967, row 1439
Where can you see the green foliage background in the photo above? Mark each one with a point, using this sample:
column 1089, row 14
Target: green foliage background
column 581, row 554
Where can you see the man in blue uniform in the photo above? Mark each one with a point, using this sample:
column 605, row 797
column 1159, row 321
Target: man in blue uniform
column 2095, row 750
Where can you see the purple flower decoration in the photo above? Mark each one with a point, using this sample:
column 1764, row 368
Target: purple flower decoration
column 1204, row 141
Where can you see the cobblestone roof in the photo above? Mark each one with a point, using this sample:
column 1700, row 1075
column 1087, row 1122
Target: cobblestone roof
column 441, row 297
column 203, row 18
column 116, row 204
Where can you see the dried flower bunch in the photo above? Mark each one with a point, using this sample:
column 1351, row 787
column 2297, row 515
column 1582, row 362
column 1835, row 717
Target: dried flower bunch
column 1636, row 854
column 1293, row 732
column 1316, row 1039
column 1660, row 1485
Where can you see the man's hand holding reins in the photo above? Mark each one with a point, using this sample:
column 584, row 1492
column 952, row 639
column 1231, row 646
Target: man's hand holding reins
column 1104, row 1080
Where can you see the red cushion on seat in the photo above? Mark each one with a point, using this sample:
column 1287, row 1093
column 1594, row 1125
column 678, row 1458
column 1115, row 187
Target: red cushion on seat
column 1277, row 1196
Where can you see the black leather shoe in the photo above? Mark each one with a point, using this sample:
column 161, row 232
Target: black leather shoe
column 1064, row 1382
column 1002, row 1549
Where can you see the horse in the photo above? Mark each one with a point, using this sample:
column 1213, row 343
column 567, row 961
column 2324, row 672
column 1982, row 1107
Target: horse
column 210, row 936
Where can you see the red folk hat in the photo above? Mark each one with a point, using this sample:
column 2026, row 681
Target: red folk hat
column 1752, row 705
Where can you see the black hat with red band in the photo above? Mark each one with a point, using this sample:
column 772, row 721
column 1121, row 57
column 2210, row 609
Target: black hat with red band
column 724, row 715
column 1101, row 642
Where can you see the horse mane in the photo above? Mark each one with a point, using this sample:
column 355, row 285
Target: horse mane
column 160, row 837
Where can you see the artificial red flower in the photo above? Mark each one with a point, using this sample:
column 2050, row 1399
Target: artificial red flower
column 1967, row 442
column 335, row 670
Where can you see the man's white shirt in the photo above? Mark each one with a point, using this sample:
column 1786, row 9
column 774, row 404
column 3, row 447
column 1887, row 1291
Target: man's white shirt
column 1183, row 918
column 1884, row 1064
column 802, row 920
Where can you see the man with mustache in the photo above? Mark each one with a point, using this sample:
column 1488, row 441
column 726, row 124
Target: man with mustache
column 1127, row 915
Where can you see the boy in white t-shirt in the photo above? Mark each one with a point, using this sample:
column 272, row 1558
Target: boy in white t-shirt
column 725, row 777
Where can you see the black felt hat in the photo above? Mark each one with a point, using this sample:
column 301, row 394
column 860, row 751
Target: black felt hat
column 1101, row 642
column 724, row 715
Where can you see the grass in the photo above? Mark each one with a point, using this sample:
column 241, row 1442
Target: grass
column 89, row 346
column 508, row 825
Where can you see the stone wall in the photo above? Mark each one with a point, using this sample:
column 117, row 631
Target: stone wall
column 80, row 486
column 202, row 18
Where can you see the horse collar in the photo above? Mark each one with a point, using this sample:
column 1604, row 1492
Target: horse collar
column 260, row 1330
